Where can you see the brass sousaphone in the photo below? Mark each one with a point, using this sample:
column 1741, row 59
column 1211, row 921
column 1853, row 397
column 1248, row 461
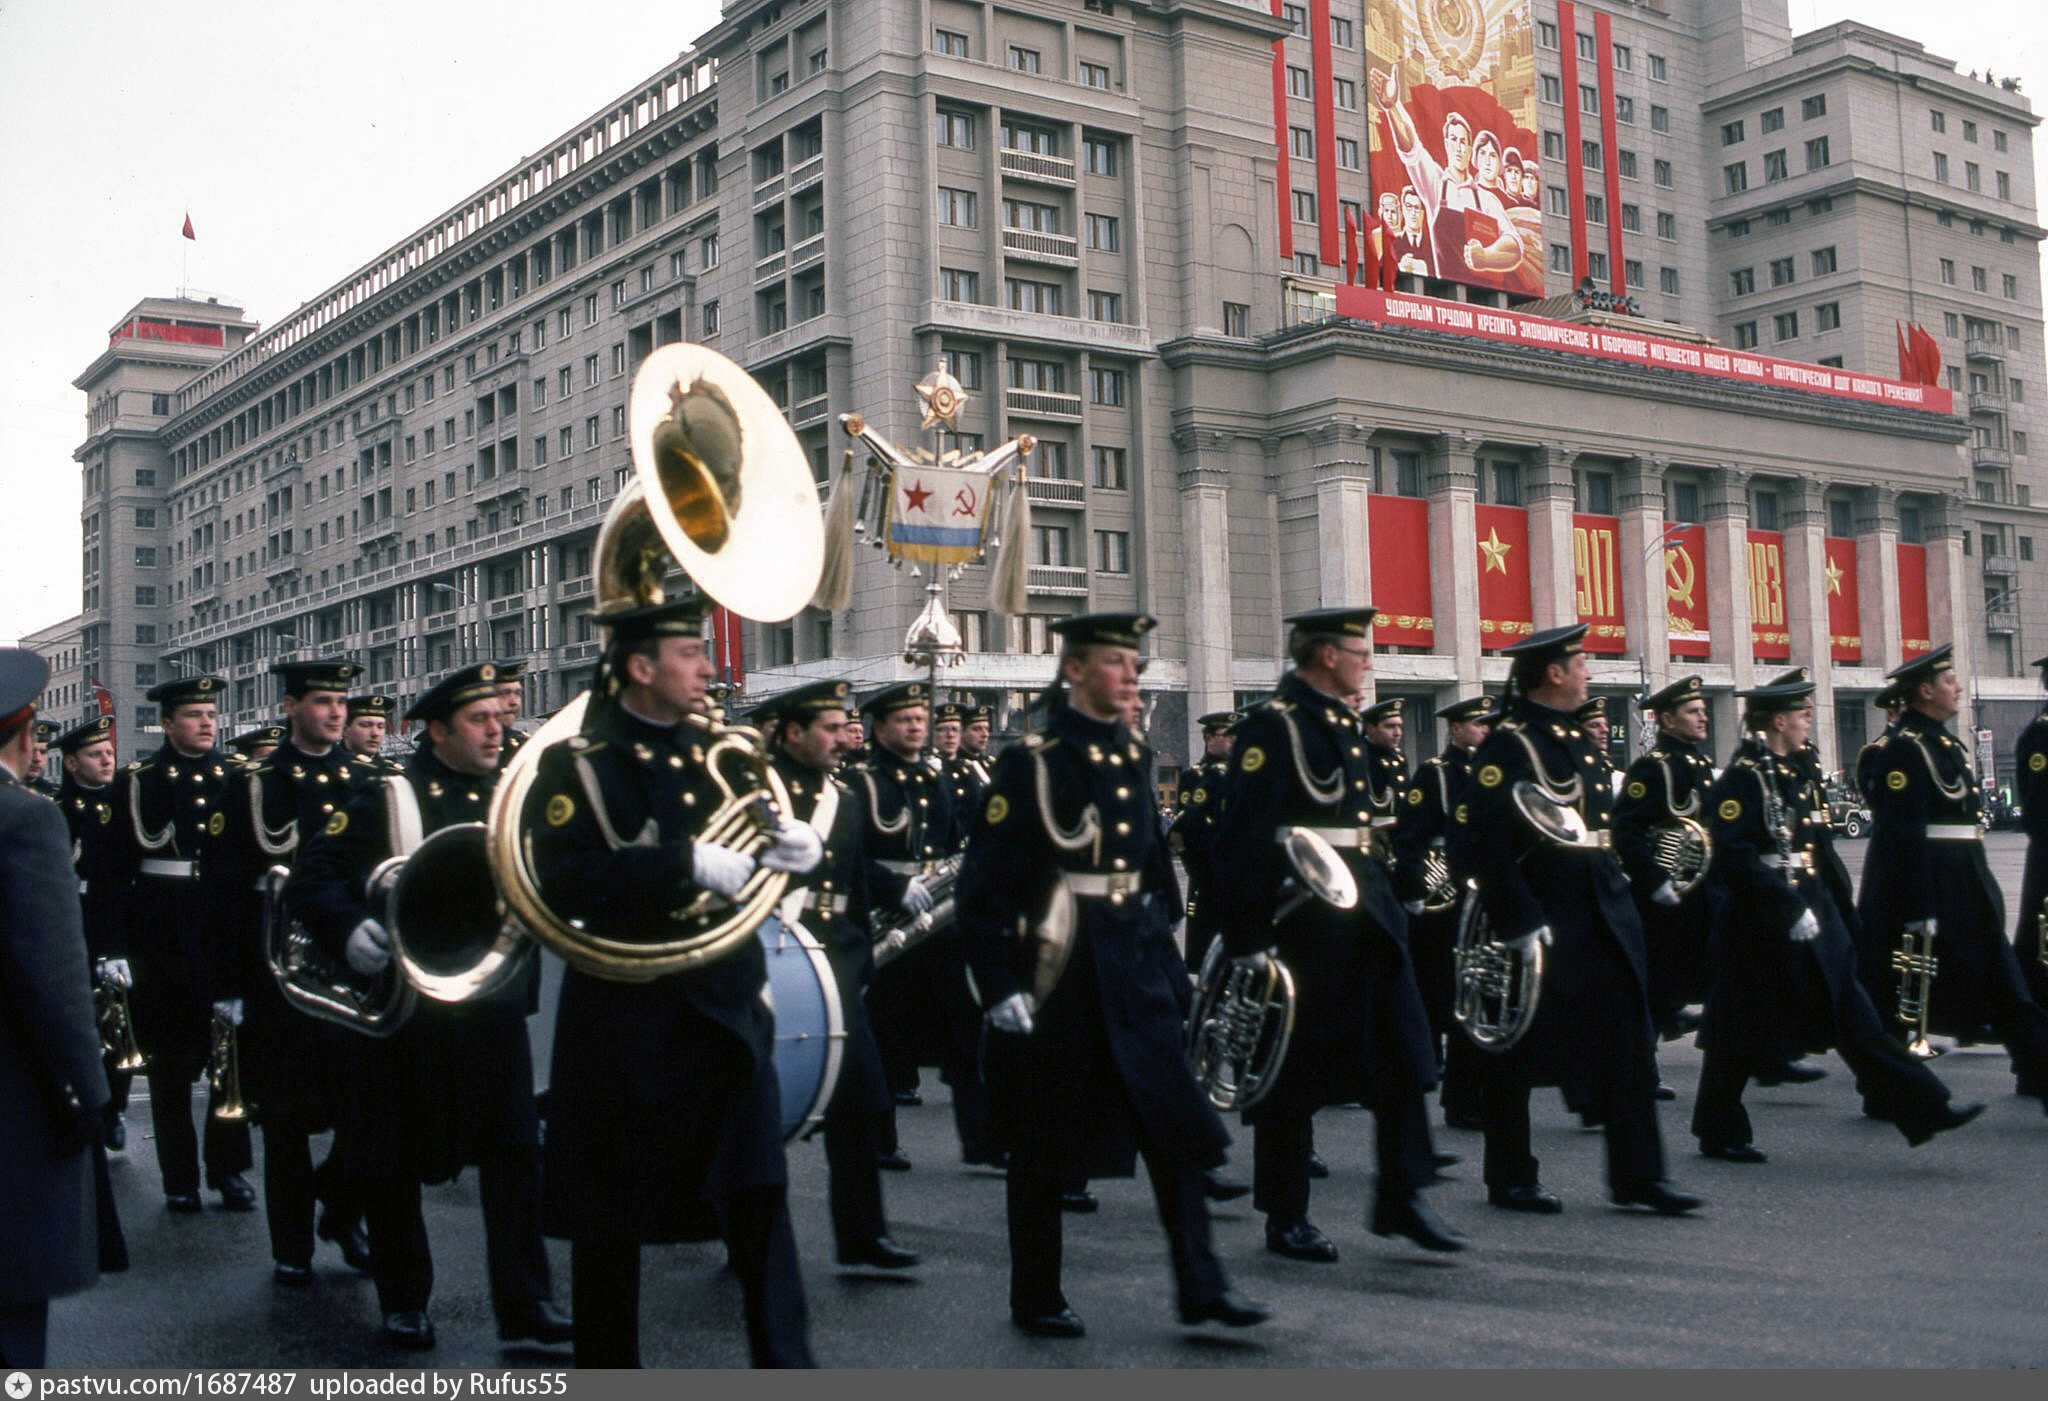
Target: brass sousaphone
column 722, row 489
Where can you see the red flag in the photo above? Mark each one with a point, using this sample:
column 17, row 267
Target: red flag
column 1907, row 371
column 103, row 701
column 1927, row 356
column 188, row 229
column 1369, row 257
column 1350, row 247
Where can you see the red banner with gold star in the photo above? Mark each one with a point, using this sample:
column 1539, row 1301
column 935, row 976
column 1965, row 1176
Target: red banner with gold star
column 1770, row 639
column 1913, row 638
column 1506, row 612
column 1685, row 592
column 1596, row 582
column 1399, row 533
column 1845, row 612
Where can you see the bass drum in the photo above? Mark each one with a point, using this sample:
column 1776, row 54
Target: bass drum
column 810, row 1029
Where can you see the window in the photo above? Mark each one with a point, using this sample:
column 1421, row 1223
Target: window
column 709, row 316
column 1347, row 153
column 1305, row 206
column 1596, row 209
column 1667, row 281
column 1631, row 218
column 1553, row 146
column 145, row 556
column 1667, row 226
column 1346, row 94
column 1773, row 119
column 1731, row 132
column 1034, row 218
column 1296, row 17
column 2011, row 286
column 1660, row 118
column 1308, row 265
column 1744, row 280
column 1022, row 294
column 1505, row 478
column 1560, row 258
column 145, row 595
column 1106, row 387
column 1823, row 261
column 1952, row 325
column 1596, row 493
column 1948, row 272
column 1745, row 335
column 1589, row 99
column 1109, row 468
column 1098, row 155
column 1596, row 266
column 1585, row 46
column 2004, row 185
column 1297, row 81
column 956, row 129
column 1785, row 326
column 1340, row 32
column 1113, row 551
column 1970, row 131
column 959, row 285
column 145, row 518
column 1941, row 167
column 1632, row 272
column 1979, row 280
column 1660, row 173
column 1546, row 34
column 1763, row 509
column 590, row 375
column 956, row 208
column 1589, row 155
column 2017, row 390
column 1559, row 199
column 1553, row 88
column 1781, row 271
column 1815, row 106
column 1938, row 119
column 1094, row 75
column 1626, row 160
column 1736, row 177
column 1775, row 167
column 1817, row 154
column 1050, row 545
column 1105, row 306
column 1657, row 71
column 1024, row 60
column 1997, row 140
column 1827, row 317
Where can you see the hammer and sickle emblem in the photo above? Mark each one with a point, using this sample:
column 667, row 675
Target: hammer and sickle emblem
column 1680, row 574
column 964, row 501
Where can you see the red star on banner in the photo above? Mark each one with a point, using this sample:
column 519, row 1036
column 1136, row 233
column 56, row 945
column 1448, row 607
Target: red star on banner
column 914, row 497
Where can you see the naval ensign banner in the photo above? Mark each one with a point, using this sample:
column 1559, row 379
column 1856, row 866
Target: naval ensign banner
column 936, row 514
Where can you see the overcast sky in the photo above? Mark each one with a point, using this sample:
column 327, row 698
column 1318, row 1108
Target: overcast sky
column 304, row 140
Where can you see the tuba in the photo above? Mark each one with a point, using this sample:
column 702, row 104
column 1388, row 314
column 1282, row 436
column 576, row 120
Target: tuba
column 721, row 488
column 1682, row 850
column 317, row 983
column 1498, row 985
column 1242, row 1017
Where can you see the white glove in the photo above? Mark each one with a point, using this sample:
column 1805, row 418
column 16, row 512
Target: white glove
column 1413, row 907
column 115, row 970
column 797, row 848
column 1807, row 928
column 1012, row 1014
column 368, row 949
column 231, row 1008
column 896, row 938
column 1664, row 895
column 720, row 869
column 1921, row 926
column 917, row 897
column 1527, row 943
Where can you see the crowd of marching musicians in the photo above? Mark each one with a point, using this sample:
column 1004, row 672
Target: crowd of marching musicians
column 1010, row 919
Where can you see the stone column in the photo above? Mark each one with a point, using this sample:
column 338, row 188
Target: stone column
column 1728, row 611
column 1639, row 497
column 1806, row 597
column 1205, row 545
column 1342, row 471
column 1877, row 576
column 1550, row 491
column 1451, row 481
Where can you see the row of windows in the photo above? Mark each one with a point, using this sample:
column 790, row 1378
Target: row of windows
column 1782, row 271
column 1980, row 279
column 1938, row 121
column 1593, row 157
column 1023, row 59
column 1773, row 119
column 1973, row 176
column 1776, row 166
column 1597, row 268
column 957, row 130
column 1101, row 233
column 1588, row 46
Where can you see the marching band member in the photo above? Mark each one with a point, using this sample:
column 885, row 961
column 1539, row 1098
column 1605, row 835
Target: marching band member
column 1361, row 1034
column 454, row 1084
column 290, row 1061
column 168, row 826
column 2030, row 787
column 663, row 1116
column 1925, row 874
column 1422, row 823
column 86, row 796
column 1193, row 833
column 52, row 1089
column 254, row 746
column 369, row 725
column 35, row 779
column 809, row 726
column 1592, row 1033
column 511, row 704
column 1084, row 1054
column 1785, row 974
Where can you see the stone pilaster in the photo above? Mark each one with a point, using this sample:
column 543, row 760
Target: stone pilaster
column 1639, row 500
column 1726, row 501
column 1877, row 576
column 1451, row 481
column 1805, row 517
column 1204, row 472
column 1549, row 491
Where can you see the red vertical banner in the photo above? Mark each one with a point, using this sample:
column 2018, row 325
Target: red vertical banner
column 1610, row 157
column 1506, row 610
column 1575, row 174
column 729, row 652
column 1913, row 638
column 1845, row 617
column 1325, row 90
column 1281, row 177
column 103, row 706
column 1596, row 580
column 1398, row 527
column 1685, row 593
column 1770, row 640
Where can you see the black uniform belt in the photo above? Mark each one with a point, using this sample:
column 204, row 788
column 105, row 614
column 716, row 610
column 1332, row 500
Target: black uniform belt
column 1954, row 832
column 169, row 868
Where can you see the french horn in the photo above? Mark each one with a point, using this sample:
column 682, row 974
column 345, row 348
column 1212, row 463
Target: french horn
column 1682, row 850
column 1499, row 985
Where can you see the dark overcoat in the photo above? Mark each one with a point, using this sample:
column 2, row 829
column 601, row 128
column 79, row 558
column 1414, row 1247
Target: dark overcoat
column 1423, row 822
column 1104, row 1061
column 1662, row 786
column 2030, row 789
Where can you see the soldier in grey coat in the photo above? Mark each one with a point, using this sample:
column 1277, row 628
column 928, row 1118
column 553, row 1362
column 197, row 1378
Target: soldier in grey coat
column 52, row 1086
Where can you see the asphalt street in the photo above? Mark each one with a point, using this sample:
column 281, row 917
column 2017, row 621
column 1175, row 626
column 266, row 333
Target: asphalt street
column 1848, row 1249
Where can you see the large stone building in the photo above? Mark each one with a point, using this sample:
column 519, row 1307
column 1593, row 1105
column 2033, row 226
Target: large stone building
column 1087, row 210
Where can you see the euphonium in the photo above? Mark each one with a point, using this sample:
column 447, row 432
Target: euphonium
column 224, row 1069
column 1242, row 1018
column 1916, row 966
column 1682, row 850
column 117, row 1024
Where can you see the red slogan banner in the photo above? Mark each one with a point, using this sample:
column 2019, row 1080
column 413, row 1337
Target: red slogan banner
column 1685, row 593
column 1596, row 580
column 1506, row 610
column 1913, row 638
column 1845, row 614
column 1398, row 529
column 1769, row 639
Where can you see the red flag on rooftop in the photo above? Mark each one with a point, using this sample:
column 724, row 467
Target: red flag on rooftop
column 188, row 229
column 1926, row 355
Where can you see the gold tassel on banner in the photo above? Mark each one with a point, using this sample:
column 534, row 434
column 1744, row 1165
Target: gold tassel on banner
column 835, row 581
column 1009, row 579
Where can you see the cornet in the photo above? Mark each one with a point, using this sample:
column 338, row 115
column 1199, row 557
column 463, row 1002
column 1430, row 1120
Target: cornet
column 117, row 1025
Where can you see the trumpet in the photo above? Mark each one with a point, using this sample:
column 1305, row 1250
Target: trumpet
column 224, row 1070
column 117, row 1025
column 1916, row 966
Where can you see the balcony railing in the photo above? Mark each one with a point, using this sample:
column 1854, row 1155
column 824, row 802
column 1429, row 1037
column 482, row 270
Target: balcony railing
column 1984, row 348
column 806, row 173
column 511, row 603
column 1054, row 491
column 575, row 588
column 1064, row 249
column 807, row 411
column 1046, row 170
column 1986, row 401
column 1987, row 455
column 1068, row 579
column 2004, row 621
column 1042, row 403
column 771, row 267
